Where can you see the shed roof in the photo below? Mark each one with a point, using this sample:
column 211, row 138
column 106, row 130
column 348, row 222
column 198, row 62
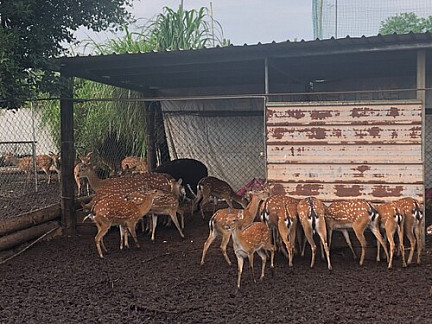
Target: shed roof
column 222, row 68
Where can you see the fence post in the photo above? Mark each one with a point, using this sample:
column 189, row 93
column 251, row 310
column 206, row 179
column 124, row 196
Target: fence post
column 150, row 130
column 67, row 157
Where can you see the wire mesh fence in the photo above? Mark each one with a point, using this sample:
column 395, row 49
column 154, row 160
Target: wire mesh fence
column 339, row 18
column 29, row 158
column 228, row 136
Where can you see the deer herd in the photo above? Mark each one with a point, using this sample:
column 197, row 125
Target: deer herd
column 260, row 221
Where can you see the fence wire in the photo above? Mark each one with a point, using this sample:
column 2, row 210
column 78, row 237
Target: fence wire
column 339, row 18
column 229, row 143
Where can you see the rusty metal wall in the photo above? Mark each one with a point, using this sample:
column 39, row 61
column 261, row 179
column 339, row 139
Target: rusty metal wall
column 343, row 150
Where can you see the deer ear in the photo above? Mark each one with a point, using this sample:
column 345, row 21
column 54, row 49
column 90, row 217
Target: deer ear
column 180, row 181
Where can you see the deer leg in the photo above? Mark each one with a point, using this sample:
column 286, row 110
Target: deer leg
column 263, row 256
column 410, row 235
column 225, row 240
column 348, row 241
column 173, row 216
column 181, row 213
column 375, row 230
column 240, row 262
column 309, row 238
column 418, row 232
column 322, row 232
column 122, row 234
column 360, row 236
column 154, row 224
column 251, row 261
column 389, row 232
column 203, row 202
column 131, row 226
column 99, row 237
column 207, row 243
column 401, row 244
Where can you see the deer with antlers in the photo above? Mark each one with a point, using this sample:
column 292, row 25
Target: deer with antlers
column 279, row 212
column 255, row 237
column 218, row 189
column 357, row 214
column 391, row 221
column 114, row 211
column 218, row 222
column 412, row 211
column 311, row 215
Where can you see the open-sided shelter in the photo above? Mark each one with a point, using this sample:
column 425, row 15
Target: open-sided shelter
column 336, row 118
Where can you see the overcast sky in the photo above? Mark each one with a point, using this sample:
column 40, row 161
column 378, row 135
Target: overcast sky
column 243, row 21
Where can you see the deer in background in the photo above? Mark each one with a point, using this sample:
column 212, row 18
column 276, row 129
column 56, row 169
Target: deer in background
column 219, row 220
column 25, row 164
column 255, row 237
column 357, row 214
column 218, row 189
column 80, row 182
column 391, row 220
column 412, row 211
column 279, row 212
column 311, row 215
column 114, row 211
column 134, row 164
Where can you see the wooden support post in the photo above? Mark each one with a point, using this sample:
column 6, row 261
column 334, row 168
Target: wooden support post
column 421, row 95
column 150, row 130
column 68, row 219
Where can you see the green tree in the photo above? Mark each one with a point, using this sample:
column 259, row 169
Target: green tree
column 32, row 32
column 405, row 23
column 96, row 120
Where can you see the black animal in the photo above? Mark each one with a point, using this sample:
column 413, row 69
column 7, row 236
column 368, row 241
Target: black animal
column 189, row 170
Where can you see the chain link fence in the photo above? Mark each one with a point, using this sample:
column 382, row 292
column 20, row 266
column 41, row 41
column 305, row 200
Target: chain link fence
column 28, row 161
column 228, row 136
column 341, row 18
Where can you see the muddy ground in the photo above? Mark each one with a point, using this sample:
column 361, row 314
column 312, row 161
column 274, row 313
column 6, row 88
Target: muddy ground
column 64, row 280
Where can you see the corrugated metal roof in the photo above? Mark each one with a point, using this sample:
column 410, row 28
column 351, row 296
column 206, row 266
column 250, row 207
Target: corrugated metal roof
column 234, row 65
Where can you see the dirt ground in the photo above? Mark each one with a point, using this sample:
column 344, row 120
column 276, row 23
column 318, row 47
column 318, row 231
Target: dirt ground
column 64, row 280
column 18, row 196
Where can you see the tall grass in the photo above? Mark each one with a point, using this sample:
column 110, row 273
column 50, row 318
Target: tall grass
column 95, row 121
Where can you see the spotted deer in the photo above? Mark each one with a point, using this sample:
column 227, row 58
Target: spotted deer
column 124, row 185
column 391, row 221
column 357, row 214
column 134, row 164
column 80, row 182
column 165, row 203
column 279, row 212
column 218, row 189
column 218, row 222
column 25, row 164
column 311, row 215
column 412, row 211
column 255, row 237
column 114, row 211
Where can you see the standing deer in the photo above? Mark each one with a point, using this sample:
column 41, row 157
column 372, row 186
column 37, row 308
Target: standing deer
column 25, row 164
column 311, row 214
column 412, row 211
column 247, row 240
column 218, row 221
column 86, row 159
column 391, row 220
column 280, row 214
column 114, row 211
column 213, row 187
column 357, row 214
